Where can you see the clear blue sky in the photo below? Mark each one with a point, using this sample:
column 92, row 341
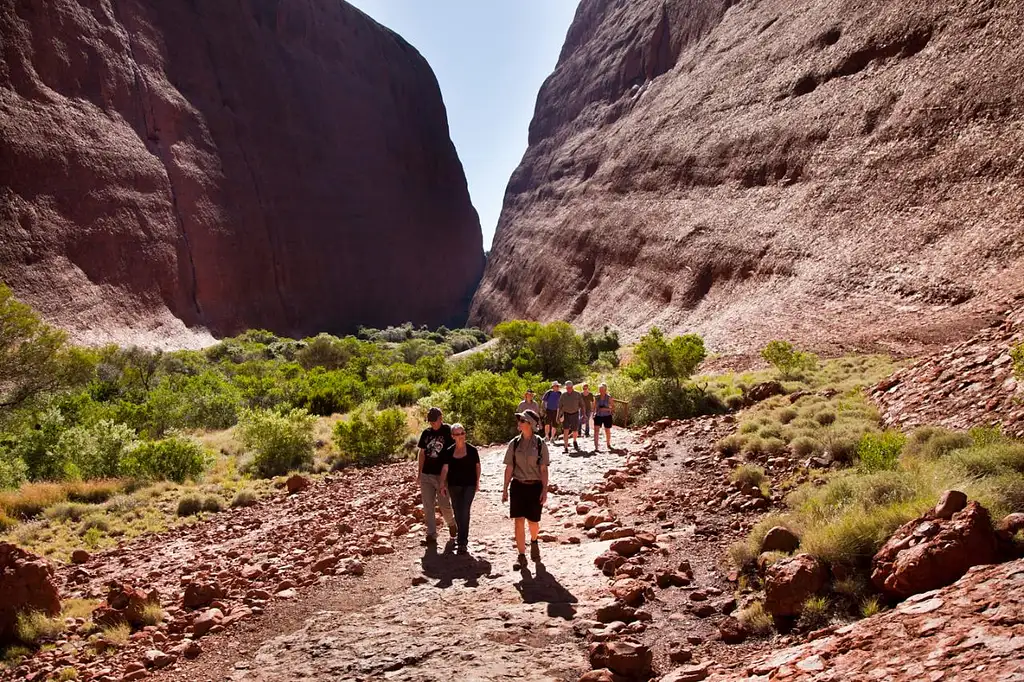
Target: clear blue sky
column 490, row 58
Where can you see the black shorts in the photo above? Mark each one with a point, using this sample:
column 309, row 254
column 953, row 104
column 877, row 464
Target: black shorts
column 605, row 421
column 552, row 417
column 524, row 500
column 571, row 421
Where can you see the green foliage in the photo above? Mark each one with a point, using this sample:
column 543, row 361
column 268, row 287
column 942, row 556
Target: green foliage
column 756, row 619
column 370, row 437
column 880, row 451
column 602, row 344
column 175, row 458
column 324, row 393
column 815, row 612
column 790, row 362
column 13, row 470
column 205, row 401
column 552, row 350
column 244, row 498
column 1017, row 353
column 35, row 627
column 932, row 442
column 34, row 357
column 657, row 399
column 485, row 403
column 213, row 504
column 279, row 442
column 749, row 474
column 190, row 505
column 328, row 352
column 654, row 356
column 94, row 451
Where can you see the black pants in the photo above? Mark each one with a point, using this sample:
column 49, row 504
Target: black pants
column 462, row 500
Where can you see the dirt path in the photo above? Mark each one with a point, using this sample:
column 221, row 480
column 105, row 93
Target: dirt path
column 425, row 613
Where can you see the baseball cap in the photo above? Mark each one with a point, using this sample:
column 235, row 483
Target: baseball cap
column 433, row 414
column 568, row 384
column 530, row 391
column 529, row 416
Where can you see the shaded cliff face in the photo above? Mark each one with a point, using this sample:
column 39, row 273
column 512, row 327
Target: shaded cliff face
column 836, row 173
column 282, row 164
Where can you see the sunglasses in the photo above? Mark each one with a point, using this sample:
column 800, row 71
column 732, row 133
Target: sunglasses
column 458, row 433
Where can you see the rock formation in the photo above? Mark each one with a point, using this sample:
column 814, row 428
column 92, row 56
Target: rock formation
column 829, row 172
column 174, row 166
column 27, row 584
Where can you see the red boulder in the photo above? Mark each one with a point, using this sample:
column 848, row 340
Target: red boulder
column 26, row 584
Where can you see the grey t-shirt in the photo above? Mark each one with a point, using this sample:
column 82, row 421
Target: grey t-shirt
column 523, row 405
column 524, row 458
column 570, row 402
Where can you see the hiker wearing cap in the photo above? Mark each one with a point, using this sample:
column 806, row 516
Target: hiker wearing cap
column 570, row 406
column 434, row 441
column 460, row 478
column 604, row 408
column 550, row 400
column 526, row 483
column 528, row 403
column 588, row 408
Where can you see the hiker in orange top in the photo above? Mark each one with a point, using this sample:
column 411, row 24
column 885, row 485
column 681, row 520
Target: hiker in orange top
column 526, row 480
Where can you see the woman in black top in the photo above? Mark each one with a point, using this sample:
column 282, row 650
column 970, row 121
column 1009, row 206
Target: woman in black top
column 460, row 475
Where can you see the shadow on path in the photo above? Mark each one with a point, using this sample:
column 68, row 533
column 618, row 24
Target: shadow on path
column 447, row 567
column 544, row 587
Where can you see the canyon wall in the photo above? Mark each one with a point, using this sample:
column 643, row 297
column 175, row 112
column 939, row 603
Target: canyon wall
column 175, row 169
column 844, row 174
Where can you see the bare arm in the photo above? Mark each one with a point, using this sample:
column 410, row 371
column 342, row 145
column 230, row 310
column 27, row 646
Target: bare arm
column 544, row 481
column 478, row 476
column 508, row 479
column 419, row 462
column 444, row 477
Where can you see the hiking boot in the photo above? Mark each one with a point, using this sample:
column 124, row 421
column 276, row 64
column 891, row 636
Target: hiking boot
column 462, row 549
column 535, row 551
column 576, row 445
column 520, row 563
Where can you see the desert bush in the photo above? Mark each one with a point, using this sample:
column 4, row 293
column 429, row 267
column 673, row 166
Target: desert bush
column 369, row 437
column 486, row 402
column 815, row 612
column 244, row 498
column 655, row 357
column 804, row 446
column 328, row 352
column 932, row 442
column 213, row 504
column 324, row 393
column 152, row 614
column 880, row 451
column 756, row 619
column 78, row 608
column 788, row 361
column 68, row 511
column 6, row 522
column 731, row 445
column 32, row 498
column 1017, row 353
column 871, row 606
column 749, row 474
column 279, row 442
column 94, row 521
column 117, row 635
column 175, row 458
column 34, row 627
column 189, row 505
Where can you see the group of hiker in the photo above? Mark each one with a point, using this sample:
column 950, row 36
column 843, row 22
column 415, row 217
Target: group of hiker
column 448, row 466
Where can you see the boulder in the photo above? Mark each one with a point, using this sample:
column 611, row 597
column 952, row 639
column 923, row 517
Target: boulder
column 123, row 604
column 205, row 622
column 789, row 582
column 950, row 503
column 732, row 631
column 630, row 590
column 27, row 584
column 931, row 552
column 615, row 610
column 624, row 657
column 688, row 673
column 80, row 556
column 762, row 391
column 780, row 539
column 602, row 675
column 1011, row 524
column 627, row 547
column 296, row 483
column 200, row 593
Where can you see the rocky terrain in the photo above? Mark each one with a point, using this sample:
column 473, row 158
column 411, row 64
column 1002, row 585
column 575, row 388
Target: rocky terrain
column 968, row 384
column 167, row 168
column 840, row 174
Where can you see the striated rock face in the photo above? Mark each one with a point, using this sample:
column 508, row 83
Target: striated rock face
column 829, row 172
column 282, row 164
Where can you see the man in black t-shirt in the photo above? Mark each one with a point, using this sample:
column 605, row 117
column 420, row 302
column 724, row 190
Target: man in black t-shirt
column 433, row 442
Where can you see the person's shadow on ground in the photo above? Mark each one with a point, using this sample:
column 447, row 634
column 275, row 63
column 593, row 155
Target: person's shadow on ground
column 447, row 567
column 544, row 587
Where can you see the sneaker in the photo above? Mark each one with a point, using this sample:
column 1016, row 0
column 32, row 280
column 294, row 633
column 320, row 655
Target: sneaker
column 576, row 445
column 520, row 563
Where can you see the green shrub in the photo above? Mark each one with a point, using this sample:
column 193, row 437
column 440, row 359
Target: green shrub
column 756, row 619
column 880, row 451
column 175, row 458
column 485, row 403
column 1017, row 353
column 786, row 415
column 205, row 401
column 152, row 614
column 279, row 442
column 369, row 437
column 815, row 612
column 96, row 521
column 244, row 498
column 932, row 442
column 213, row 504
column 790, row 363
column 35, row 627
column 324, row 393
column 804, row 446
column 870, row 606
column 749, row 474
column 665, row 398
column 189, row 505
column 68, row 511
column 655, row 357
column 328, row 352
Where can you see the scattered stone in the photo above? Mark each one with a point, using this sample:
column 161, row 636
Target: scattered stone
column 624, row 657
column 296, row 483
column 154, row 658
column 626, row 547
column 206, row 621
column 80, row 556
column 602, row 675
column 950, row 503
column 689, row 673
column 201, row 593
column 732, row 631
column 789, row 582
column 780, row 539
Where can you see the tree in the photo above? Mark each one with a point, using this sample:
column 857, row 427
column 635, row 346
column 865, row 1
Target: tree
column 559, row 350
column 676, row 359
column 34, row 357
column 790, row 362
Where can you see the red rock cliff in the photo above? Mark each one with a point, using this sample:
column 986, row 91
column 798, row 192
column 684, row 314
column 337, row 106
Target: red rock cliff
column 832, row 172
column 284, row 164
